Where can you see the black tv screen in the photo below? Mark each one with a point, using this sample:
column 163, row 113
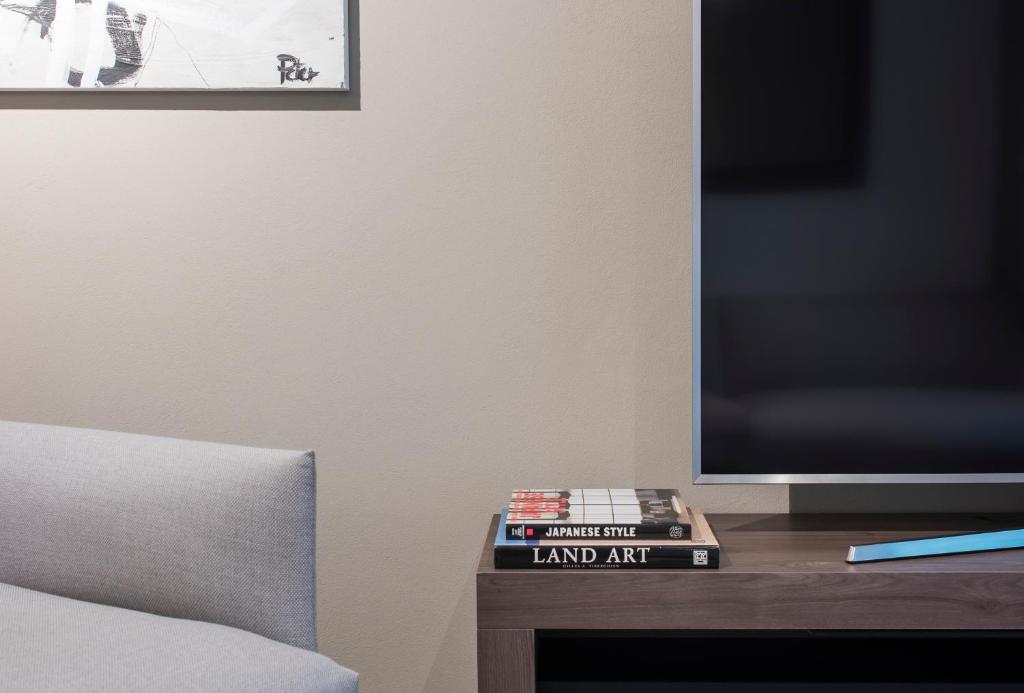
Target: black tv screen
column 860, row 266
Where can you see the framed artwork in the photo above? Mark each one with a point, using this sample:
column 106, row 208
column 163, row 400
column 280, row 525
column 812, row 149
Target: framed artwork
column 174, row 44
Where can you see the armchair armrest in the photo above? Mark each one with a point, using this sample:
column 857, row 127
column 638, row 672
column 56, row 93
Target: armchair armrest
column 218, row 533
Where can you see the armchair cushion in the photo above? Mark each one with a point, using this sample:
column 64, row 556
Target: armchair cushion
column 56, row 645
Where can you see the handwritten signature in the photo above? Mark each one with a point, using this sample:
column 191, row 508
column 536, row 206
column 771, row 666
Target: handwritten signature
column 294, row 70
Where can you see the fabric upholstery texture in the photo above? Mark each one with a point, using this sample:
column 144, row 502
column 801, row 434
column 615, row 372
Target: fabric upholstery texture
column 201, row 531
column 52, row 644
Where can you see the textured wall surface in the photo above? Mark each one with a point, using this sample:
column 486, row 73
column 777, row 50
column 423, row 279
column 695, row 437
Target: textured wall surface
column 476, row 280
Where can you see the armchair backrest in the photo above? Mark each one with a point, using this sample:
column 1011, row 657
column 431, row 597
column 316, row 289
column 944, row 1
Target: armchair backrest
column 203, row 531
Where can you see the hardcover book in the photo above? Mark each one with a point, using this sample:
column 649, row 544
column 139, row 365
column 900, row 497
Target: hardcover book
column 596, row 513
column 701, row 550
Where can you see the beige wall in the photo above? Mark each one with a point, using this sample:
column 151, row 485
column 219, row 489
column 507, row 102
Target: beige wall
column 478, row 280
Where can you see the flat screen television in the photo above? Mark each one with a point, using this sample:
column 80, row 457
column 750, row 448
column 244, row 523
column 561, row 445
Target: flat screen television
column 859, row 241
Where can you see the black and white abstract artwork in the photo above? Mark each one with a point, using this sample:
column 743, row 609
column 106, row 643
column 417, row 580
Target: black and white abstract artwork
column 173, row 44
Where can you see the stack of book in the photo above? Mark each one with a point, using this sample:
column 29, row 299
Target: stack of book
column 603, row 528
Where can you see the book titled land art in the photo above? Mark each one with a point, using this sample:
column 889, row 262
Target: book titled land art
column 699, row 550
column 596, row 513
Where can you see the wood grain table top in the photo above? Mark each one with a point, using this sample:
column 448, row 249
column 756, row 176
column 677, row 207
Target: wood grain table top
column 818, row 543
column 777, row 572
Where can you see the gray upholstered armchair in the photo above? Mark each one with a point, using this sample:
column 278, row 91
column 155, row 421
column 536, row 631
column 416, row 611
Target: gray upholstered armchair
column 134, row 563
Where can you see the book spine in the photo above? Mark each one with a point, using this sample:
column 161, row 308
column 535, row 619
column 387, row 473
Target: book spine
column 526, row 530
column 606, row 557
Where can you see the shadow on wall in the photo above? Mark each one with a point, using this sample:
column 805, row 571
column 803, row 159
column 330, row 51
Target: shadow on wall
column 204, row 100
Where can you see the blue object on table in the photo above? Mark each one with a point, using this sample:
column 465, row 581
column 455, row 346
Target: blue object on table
column 937, row 546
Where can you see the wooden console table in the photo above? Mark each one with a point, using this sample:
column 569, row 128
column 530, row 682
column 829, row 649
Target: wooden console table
column 778, row 572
